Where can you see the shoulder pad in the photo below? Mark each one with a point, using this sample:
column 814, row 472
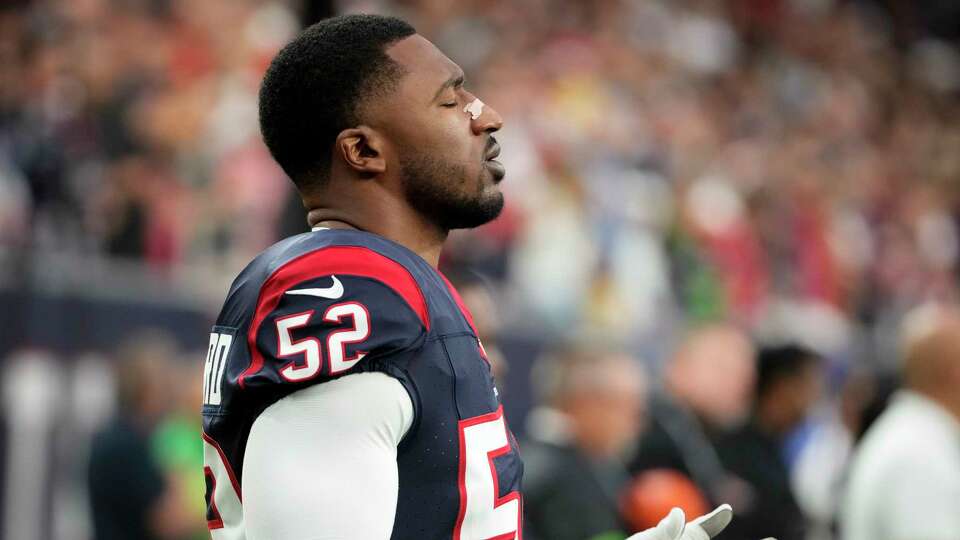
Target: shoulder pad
column 321, row 314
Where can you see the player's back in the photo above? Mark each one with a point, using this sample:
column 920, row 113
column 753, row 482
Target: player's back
column 330, row 303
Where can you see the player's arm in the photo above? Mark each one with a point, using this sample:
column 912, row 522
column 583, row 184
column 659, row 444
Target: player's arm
column 331, row 329
column 322, row 462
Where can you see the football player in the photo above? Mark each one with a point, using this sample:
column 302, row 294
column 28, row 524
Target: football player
column 346, row 394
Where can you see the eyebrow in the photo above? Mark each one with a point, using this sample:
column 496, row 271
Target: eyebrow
column 454, row 81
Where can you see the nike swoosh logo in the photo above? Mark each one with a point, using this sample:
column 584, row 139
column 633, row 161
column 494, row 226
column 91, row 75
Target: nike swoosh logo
column 333, row 292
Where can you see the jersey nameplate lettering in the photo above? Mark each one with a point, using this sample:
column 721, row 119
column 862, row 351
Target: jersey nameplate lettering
column 217, row 350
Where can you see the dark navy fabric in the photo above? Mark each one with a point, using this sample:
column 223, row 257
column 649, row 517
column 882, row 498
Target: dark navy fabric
column 431, row 349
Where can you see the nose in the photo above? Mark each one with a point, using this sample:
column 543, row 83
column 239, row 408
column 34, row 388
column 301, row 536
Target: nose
column 488, row 121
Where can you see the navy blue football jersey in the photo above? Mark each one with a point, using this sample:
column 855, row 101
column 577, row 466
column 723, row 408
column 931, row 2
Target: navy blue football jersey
column 329, row 303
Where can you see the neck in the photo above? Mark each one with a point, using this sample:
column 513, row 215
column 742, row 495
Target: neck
column 945, row 397
column 405, row 228
column 953, row 407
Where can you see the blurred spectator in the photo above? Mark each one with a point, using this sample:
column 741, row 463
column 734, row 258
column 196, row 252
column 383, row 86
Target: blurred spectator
column 591, row 408
column 707, row 387
column 905, row 476
column 822, row 449
column 789, row 381
column 176, row 444
column 695, row 158
column 130, row 497
column 31, row 391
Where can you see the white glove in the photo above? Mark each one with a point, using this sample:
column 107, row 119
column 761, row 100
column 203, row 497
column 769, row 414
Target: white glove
column 674, row 526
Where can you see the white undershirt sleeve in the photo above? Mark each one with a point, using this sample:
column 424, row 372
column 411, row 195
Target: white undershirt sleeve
column 321, row 464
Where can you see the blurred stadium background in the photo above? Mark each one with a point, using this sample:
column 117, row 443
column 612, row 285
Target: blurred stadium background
column 789, row 167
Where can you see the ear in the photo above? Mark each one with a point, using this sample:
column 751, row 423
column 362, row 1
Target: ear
column 361, row 148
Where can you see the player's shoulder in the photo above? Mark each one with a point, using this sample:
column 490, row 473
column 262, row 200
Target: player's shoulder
column 340, row 247
column 321, row 305
column 333, row 265
column 342, row 250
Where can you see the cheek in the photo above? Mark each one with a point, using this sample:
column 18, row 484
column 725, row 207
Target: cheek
column 450, row 136
column 415, row 133
column 624, row 412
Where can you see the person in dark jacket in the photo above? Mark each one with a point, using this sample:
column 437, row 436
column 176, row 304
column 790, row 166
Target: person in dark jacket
column 707, row 390
column 592, row 403
column 130, row 496
column 789, row 381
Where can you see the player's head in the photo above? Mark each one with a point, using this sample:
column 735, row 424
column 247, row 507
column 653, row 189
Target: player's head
column 931, row 352
column 789, row 381
column 712, row 372
column 364, row 101
column 600, row 390
column 144, row 362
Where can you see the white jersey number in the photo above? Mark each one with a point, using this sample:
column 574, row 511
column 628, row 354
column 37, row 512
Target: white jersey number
column 310, row 348
column 338, row 340
column 484, row 515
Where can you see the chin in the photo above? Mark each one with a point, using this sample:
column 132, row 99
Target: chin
column 481, row 211
column 491, row 191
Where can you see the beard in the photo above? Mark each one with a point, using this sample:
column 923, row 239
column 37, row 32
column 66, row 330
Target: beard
column 442, row 192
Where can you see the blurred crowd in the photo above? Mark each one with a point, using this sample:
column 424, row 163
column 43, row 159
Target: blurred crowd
column 608, row 453
column 103, row 445
column 745, row 196
column 757, row 160
column 145, row 467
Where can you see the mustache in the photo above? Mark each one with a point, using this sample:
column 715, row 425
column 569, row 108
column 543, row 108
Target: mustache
column 492, row 150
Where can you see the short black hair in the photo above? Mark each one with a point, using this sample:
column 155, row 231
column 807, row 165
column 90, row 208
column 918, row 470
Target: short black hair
column 315, row 85
column 775, row 363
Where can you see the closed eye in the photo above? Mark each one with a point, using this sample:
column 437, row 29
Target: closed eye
column 455, row 82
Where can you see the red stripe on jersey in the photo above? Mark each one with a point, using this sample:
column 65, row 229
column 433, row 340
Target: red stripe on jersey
column 226, row 464
column 466, row 314
column 460, row 304
column 337, row 260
